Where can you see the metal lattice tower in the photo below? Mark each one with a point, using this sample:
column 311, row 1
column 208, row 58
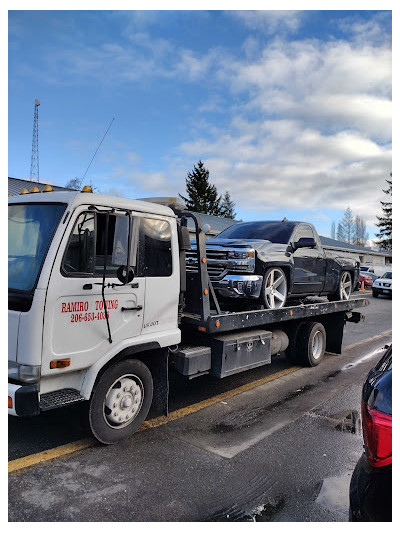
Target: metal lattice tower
column 35, row 144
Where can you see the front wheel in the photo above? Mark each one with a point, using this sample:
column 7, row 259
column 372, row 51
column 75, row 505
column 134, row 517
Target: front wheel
column 343, row 290
column 121, row 401
column 274, row 288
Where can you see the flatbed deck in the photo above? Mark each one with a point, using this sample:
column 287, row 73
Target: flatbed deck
column 229, row 321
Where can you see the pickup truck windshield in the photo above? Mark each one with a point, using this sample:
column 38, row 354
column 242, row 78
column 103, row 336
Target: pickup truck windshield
column 30, row 230
column 276, row 232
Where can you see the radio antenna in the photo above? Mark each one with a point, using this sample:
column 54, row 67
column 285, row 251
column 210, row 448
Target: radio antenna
column 94, row 155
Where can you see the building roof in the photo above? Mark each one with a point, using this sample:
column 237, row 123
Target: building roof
column 15, row 185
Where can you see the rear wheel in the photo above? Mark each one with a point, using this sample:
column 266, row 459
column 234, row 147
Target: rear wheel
column 311, row 343
column 274, row 288
column 120, row 401
column 343, row 290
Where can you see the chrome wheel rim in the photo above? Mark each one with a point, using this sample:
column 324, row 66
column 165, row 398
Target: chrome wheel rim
column 123, row 401
column 345, row 286
column 275, row 289
column 317, row 345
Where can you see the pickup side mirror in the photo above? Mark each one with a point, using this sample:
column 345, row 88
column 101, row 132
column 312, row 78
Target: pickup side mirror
column 305, row 242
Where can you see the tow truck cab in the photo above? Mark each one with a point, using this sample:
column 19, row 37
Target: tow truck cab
column 64, row 323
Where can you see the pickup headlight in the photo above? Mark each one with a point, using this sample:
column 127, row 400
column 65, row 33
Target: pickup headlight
column 240, row 255
column 23, row 373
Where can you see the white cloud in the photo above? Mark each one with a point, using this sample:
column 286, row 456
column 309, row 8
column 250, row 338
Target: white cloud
column 270, row 21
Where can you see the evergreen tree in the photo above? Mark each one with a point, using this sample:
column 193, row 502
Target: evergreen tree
column 360, row 236
column 385, row 221
column 202, row 195
column 346, row 227
column 340, row 235
column 227, row 206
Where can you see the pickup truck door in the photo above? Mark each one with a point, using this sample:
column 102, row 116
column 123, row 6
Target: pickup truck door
column 309, row 263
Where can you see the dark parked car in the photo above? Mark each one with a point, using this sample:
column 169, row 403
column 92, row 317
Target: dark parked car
column 274, row 260
column 371, row 483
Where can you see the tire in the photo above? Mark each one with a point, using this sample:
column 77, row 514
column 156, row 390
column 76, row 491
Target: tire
column 274, row 290
column 311, row 343
column 114, row 416
column 343, row 290
column 375, row 294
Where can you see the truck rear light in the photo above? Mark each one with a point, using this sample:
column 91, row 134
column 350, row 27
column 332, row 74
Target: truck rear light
column 377, row 431
column 10, row 402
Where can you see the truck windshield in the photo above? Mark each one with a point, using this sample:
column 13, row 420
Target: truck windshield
column 276, row 232
column 30, row 230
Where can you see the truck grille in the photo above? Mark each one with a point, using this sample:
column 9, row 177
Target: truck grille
column 217, row 262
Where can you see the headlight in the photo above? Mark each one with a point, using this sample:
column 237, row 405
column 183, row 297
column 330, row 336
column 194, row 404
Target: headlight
column 24, row 373
column 240, row 255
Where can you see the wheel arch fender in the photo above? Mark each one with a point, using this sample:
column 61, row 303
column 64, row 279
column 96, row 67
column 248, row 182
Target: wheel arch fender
column 94, row 372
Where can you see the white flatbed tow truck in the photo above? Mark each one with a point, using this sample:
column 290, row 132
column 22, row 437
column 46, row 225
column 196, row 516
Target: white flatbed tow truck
column 101, row 306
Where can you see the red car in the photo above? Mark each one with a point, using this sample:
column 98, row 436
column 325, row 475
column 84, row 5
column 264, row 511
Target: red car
column 368, row 281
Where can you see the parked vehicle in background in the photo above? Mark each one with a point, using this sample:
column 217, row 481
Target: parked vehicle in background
column 274, row 260
column 366, row 278
column 383, row 286
column 371, row 482
column 376, row 269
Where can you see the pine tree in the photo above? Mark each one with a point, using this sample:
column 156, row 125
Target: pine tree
column 340, row 235
column 227, row 206
column 360, row 236
column 385, row 221
column 346, row 227
column 202, row 195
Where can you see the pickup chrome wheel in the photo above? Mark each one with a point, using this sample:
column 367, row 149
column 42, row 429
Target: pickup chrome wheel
column 120, row 401
column 274, row 288
column 343, row 290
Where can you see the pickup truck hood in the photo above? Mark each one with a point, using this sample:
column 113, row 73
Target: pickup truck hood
column 263, row 247
column 242, row 243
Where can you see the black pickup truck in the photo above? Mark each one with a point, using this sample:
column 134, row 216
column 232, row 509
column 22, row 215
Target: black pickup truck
column 274, row 260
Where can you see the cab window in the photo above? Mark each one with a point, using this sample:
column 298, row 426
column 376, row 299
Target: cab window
column 87, row 250
column 155, row 254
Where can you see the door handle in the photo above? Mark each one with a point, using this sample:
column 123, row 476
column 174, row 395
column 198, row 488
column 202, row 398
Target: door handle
column 138, row 308
column 87, row 287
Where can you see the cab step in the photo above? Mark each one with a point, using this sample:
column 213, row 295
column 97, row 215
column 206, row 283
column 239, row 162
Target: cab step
column 59, row 398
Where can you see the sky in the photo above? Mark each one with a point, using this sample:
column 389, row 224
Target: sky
column 290, row 111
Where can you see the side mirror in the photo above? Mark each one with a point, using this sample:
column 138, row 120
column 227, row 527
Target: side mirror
column 305, row 242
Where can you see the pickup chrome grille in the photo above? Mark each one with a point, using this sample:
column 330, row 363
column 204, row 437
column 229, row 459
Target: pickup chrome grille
column 217, row 262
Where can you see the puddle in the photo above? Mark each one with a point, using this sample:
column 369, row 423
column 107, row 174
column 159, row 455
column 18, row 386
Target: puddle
column 350, row 422
column 334, row 493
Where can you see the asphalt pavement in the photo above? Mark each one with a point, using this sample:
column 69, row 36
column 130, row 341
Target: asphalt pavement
column 282, row 450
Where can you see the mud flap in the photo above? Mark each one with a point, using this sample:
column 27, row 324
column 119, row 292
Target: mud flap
column 157, row 361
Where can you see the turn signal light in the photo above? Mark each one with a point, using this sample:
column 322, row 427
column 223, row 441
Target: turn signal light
column 60, row 363
column 10, row 402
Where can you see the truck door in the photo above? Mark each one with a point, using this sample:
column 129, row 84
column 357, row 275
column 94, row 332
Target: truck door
column 309, row 264
column 75, row 318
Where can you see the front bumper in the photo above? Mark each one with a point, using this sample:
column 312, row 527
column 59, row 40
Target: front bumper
column 24, row 400
column 386, row 291
column 239, row 286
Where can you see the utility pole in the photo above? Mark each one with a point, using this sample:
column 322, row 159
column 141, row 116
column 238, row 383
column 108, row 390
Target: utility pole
column 34, row 176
